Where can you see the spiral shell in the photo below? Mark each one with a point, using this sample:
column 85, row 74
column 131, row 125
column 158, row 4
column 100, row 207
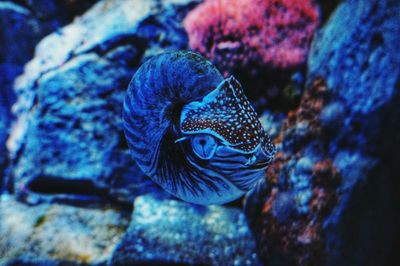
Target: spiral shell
column 193, row 132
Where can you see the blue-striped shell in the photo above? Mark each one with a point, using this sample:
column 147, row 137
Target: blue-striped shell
column 193, row 132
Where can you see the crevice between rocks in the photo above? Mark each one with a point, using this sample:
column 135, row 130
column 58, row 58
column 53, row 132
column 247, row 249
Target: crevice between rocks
column 76, row 192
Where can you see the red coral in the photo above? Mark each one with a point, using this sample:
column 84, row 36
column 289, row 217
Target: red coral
column 247, row 33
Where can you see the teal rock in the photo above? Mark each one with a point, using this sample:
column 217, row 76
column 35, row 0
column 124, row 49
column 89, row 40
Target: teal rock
column 170, row 232
column 56, row 234
column 70, row 104
column 339, row 152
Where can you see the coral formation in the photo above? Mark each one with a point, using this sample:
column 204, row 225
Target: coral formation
column 301, row 189
column 336, row 173
column 252, row 33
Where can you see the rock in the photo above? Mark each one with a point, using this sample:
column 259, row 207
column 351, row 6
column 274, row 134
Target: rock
column 357, row 64
column 338, row 152
column 60, row 12
column 53, row 14
column 19, row 31
column 70, row 102
column 22, row 25
column 169, row 232
column 58, row 234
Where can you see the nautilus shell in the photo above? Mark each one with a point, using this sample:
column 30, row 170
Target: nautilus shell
column 192, row 131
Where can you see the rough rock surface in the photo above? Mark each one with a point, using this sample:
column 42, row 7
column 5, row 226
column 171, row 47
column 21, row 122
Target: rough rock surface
column 361, row 62
column 22, row 25
column 58, row 234
column 331, row 196
column 366, row 79
column 19, row 32
column 70, row 99
column 53, row 14
column 169, row 232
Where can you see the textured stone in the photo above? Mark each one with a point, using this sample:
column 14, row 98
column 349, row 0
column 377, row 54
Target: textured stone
column 357, row 53
column 337, row 157
column 22, row 25
column 169, row 232
column 58, row 234
column 53, row 14
column 19, row 32
column 68, row 142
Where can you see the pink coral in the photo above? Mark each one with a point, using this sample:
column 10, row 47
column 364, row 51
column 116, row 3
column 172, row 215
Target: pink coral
column 247, row 33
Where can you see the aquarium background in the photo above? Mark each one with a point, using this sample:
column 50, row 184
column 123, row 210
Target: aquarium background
column 324, row 76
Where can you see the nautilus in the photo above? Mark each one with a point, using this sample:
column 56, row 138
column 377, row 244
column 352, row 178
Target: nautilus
column 192, row 131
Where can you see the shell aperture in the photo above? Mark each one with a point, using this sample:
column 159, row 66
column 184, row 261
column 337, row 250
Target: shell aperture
column 193, row 132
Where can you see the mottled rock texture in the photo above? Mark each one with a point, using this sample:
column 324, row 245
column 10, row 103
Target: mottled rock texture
column 22, row 24
column 53, row 234
column 53, row 14
column 331, row 197
column 19, row 32
column 69, row 129
column 169, row 232
column 361, row 66
column 357, row 56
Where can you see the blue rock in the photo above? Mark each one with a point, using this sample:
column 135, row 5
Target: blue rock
column 359, row 57
column 69, row 129
column 19, row 32
column 169, row 232
column 333, row 116
column 347, row 200
column 283, row 207
column 357, row 52
column 22, row 25
column 58, row 234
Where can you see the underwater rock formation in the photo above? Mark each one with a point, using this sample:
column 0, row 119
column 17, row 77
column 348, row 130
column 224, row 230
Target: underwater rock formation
column 17, row 26
column 170, row 232
column 361, row 66
column 289, row 208
column 252, row 33
column 53, row 234
column 53, row 14
column 68, row 142
column 22, row 25
column 331, row 196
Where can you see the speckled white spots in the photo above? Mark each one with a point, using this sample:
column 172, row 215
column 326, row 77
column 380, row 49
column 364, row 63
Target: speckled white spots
column 230, row 115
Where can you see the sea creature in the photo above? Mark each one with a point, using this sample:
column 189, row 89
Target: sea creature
column 192, row 131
